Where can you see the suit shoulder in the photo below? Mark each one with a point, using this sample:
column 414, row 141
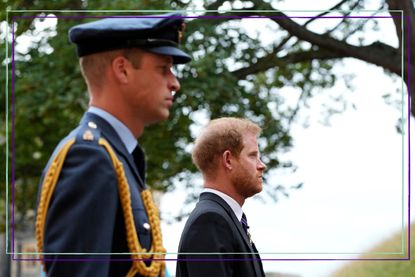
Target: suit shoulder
column 204, row 212
column 211, row 206
column 213, row 224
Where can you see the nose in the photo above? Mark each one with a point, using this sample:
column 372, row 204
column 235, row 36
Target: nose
column 261, row 166
column 174, row 84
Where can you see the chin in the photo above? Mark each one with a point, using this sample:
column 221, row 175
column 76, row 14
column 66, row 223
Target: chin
column 159, row 118
column 165, row 115
column 259, row 188
column 255, row 190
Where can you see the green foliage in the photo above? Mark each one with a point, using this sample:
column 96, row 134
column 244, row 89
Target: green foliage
column 401, row 268
column 50, row 95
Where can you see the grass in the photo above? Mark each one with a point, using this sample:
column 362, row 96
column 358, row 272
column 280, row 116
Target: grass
column 384, row 268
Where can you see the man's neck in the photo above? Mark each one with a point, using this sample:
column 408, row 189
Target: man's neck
column 226, row 189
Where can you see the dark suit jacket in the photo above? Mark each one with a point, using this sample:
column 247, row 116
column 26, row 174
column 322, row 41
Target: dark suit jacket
column 213, row 228
column 85, row 214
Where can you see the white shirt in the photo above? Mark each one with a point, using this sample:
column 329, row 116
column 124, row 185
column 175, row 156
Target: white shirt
column 123, row 132
column 237, row 210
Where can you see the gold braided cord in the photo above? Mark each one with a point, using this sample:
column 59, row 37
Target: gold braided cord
column 157, row 252
column 157, row 265
column 48, row 186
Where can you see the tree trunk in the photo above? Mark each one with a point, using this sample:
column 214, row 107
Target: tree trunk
column 405, row 11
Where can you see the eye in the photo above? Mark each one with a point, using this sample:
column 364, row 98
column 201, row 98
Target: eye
column 163, row 69
column 166, row 68
column 254, row 155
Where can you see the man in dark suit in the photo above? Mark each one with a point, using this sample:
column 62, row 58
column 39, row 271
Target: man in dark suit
column 94, row 208
column 216, row 235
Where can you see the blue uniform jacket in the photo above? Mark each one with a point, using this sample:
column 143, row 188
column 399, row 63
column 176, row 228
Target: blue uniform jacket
column 85, row 215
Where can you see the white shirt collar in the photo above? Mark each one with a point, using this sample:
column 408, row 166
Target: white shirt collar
column 123, row 132
column 237, row 210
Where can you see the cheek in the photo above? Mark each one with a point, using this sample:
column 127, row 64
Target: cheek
column 155, row 86
column 247, row 166
column 253, row 164
column 147, row 91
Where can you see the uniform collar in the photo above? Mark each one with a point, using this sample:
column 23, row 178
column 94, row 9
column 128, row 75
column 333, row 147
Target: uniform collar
column 137, row 164
column 122, row 131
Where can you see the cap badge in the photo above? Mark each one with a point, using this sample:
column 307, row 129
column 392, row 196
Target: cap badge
column 180, row 32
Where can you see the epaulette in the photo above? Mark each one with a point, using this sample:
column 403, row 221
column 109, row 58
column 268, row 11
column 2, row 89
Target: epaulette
column 88, row 133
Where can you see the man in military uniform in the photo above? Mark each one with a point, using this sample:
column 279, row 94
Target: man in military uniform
column 94, row 208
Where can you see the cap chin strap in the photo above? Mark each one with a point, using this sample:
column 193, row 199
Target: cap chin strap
column 138, row 254
column 150, row 42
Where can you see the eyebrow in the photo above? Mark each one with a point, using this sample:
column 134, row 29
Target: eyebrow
column 167, row 59
column 166, row 63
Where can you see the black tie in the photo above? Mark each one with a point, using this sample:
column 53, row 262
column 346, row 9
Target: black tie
column 245, row 226
column 138, row 157
column 244, row 223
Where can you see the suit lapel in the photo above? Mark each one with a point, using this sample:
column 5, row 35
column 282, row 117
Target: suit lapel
column 261, row 268
column 228, row 209
column 257, row 263
column 112, row 137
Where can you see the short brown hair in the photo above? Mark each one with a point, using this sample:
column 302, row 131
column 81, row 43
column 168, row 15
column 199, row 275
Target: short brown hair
column 93, row 66
column 218, row 136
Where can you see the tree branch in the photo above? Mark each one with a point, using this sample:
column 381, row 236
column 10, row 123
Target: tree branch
column 343, row 21
column 271, row 61
column 374, row 53
column 362, row 24
column 335, row 7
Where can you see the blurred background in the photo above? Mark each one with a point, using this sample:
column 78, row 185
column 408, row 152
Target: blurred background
column 324, row 80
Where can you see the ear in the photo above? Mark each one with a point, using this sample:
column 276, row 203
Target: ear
column 120, row 67
column 227, row 160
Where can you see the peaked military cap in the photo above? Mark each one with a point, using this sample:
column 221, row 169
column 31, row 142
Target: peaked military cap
column 160, row 34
